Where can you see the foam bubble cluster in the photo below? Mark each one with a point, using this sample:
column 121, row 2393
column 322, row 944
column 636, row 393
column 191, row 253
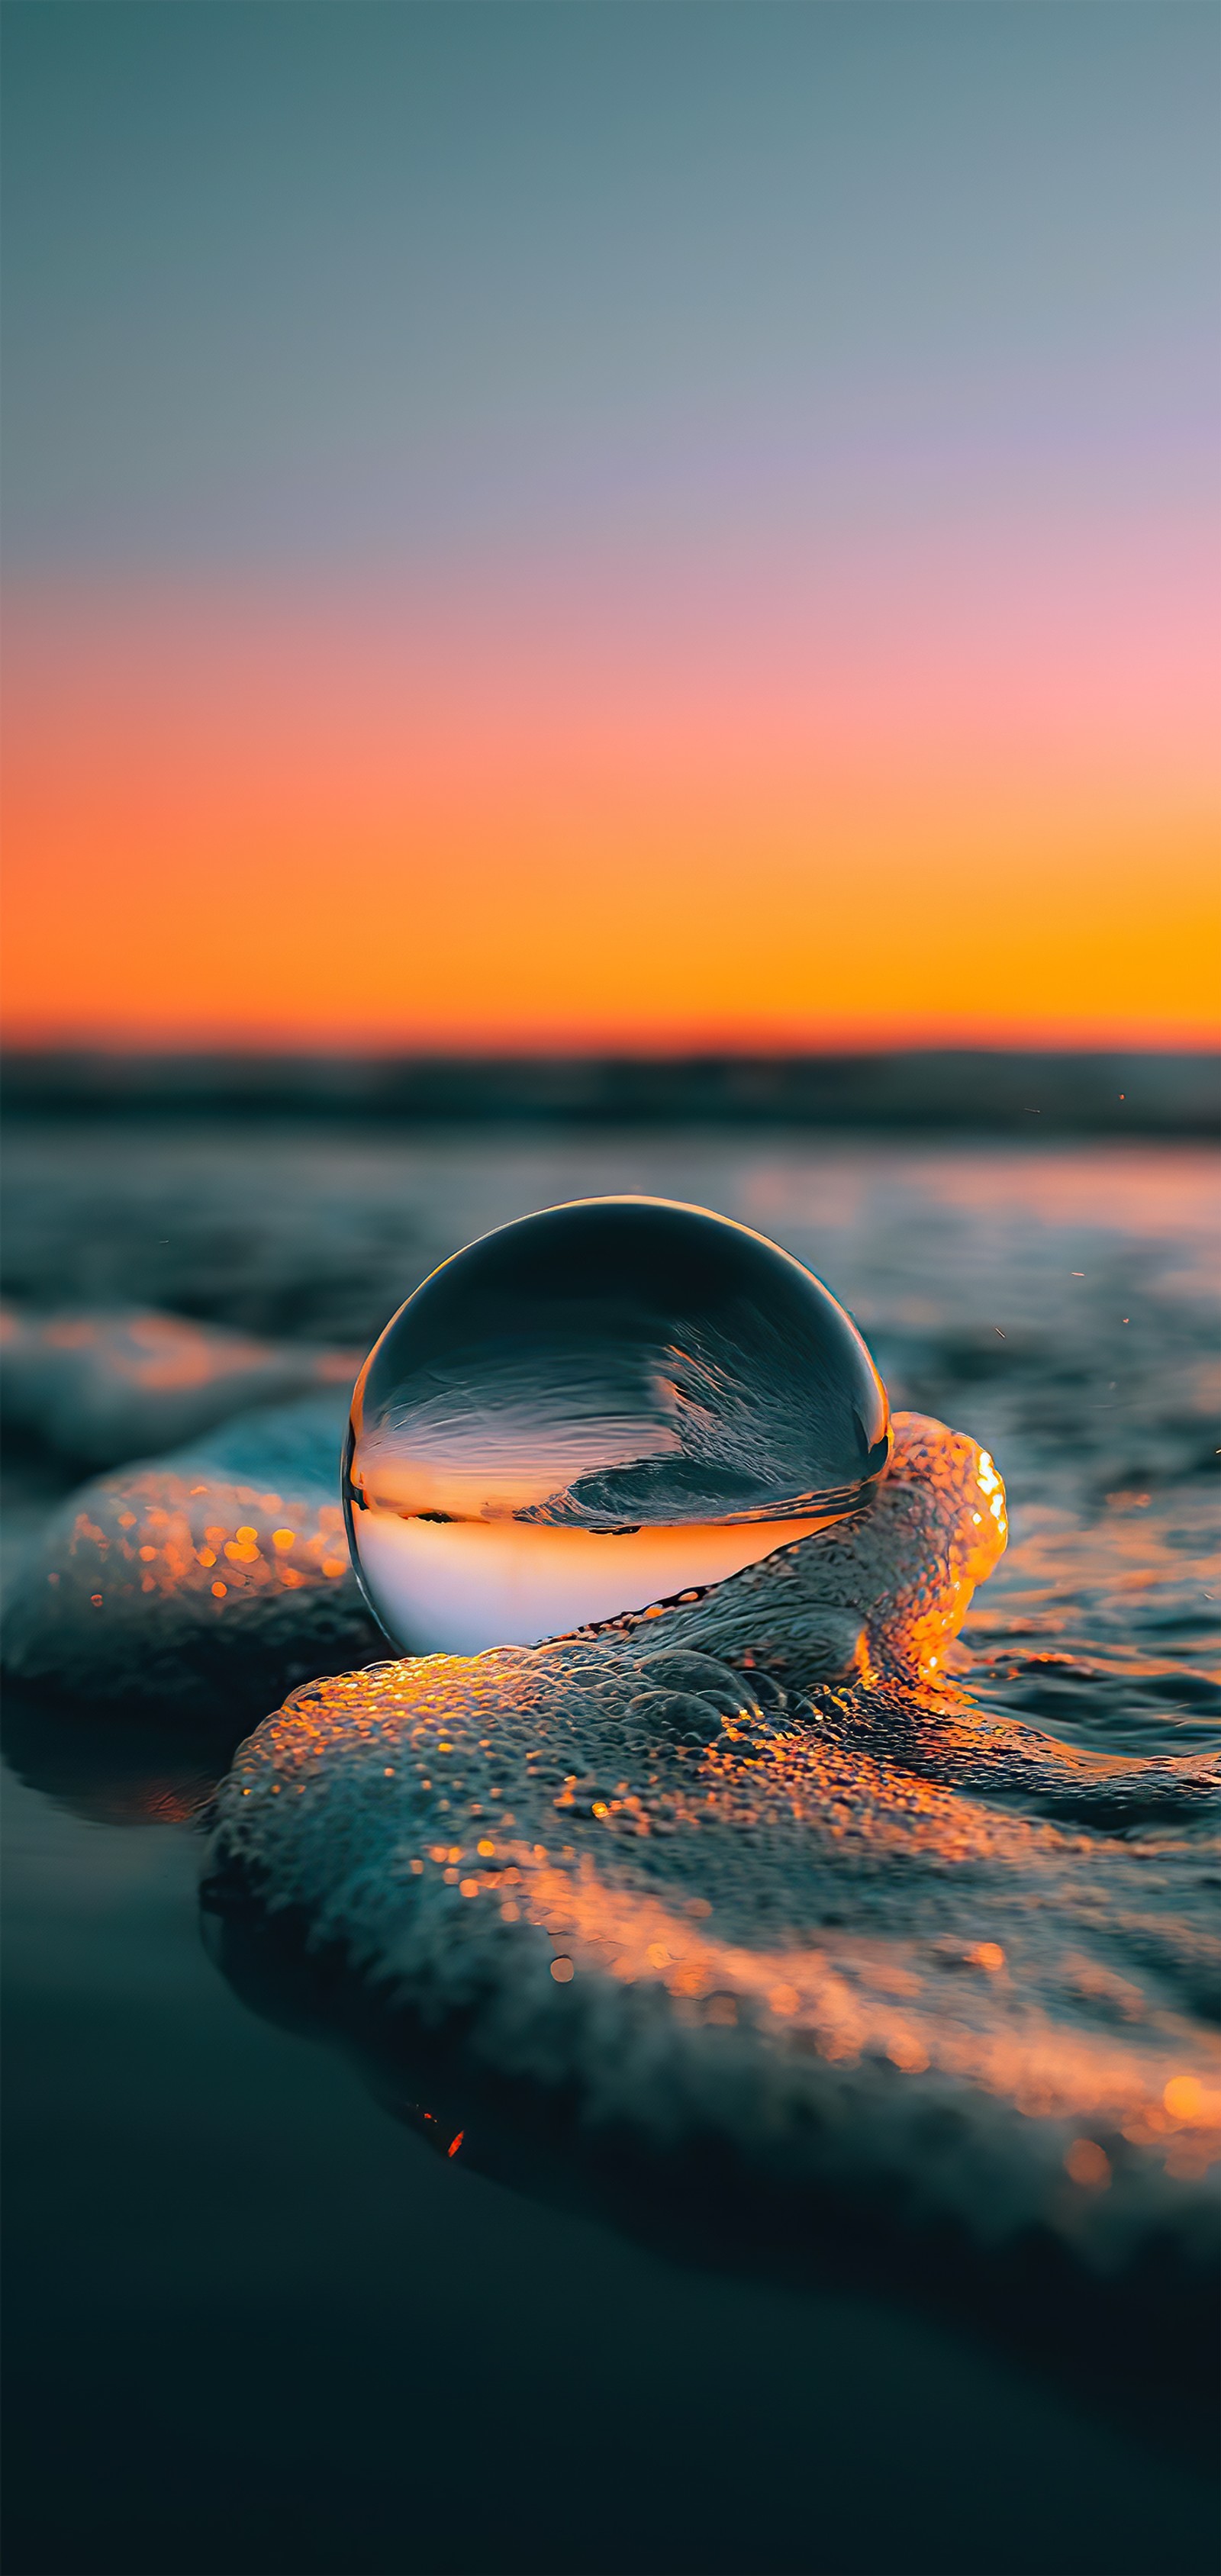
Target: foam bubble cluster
column 750, row 1870
column 200, row 1584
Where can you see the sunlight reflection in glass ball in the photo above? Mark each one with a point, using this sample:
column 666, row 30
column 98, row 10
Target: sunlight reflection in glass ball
column 595, row 1409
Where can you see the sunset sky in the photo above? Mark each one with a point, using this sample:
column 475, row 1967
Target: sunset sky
column 611, row 524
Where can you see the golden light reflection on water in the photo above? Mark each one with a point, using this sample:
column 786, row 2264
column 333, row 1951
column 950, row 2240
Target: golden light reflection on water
column 156, row 1351
column 124, row 1370
column 1164, row 1194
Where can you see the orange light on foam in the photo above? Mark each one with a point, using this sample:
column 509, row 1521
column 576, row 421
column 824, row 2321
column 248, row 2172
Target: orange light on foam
column 1088, row 2164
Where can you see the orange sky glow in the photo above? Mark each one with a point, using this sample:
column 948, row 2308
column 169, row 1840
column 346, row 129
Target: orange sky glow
column 350, row 821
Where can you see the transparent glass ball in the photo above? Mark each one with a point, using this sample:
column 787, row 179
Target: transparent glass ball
column 594, row 1409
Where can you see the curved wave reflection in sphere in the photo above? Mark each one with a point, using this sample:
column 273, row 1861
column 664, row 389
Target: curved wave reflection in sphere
column 593, row 1409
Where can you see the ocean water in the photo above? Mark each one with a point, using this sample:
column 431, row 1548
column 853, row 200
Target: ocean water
column 261, row 2318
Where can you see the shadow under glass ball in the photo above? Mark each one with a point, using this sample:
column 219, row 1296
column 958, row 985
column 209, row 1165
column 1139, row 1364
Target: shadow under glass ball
column 593, row 1409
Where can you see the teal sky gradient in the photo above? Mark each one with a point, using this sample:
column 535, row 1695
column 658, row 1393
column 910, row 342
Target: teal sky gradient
column 305, row 288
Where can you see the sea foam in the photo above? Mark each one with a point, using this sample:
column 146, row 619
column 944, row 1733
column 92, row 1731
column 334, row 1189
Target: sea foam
column 747, row 1880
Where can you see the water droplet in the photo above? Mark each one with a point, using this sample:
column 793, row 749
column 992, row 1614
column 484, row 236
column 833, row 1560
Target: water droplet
column 595, row 1409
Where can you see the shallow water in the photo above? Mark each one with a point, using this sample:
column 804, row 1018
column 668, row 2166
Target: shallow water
column 270, row 2327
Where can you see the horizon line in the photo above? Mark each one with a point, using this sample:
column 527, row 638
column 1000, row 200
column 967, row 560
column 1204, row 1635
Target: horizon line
column 591, row 1047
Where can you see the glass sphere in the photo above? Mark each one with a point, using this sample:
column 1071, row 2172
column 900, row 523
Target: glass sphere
column 595, row 1409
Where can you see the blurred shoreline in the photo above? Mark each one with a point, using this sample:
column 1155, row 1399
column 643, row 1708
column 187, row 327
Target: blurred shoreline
column 973, row 1090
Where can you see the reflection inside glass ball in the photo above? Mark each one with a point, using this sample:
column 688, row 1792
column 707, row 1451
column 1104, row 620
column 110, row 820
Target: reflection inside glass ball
column 594, row 1409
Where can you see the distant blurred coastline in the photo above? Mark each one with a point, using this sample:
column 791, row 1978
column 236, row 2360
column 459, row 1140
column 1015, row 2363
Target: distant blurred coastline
column 972, row 1090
